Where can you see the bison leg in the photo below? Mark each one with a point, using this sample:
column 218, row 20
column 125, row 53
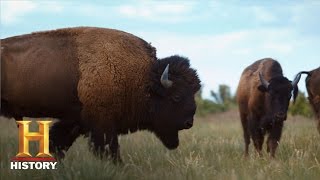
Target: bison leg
column 258, row 139
column 274, row 138
column 97, row 140
column 100, row 140
column 256, row 134
column 115, row 149
column 62, row 135
column 246, row 134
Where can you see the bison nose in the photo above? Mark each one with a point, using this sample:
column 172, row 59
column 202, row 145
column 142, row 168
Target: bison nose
column 188, row 124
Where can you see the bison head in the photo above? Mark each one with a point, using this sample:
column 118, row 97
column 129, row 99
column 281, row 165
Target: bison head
column 278, row 94
column 172, row 89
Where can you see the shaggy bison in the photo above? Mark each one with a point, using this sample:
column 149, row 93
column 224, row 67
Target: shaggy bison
column 96, row 81
column 263, row 96
column 313, row 88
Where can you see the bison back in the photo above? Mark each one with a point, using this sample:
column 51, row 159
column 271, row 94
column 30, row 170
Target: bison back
column 248, row 95
column 39, row 74
column 50, row 73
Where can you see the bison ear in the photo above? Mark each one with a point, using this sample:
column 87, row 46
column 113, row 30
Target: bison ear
column 262, row 88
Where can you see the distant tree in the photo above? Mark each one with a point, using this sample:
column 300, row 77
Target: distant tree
column 301, row 106
column 222, row 101
column 215, row 96
column 224, row 96
column 225, row 93
column 206, row 106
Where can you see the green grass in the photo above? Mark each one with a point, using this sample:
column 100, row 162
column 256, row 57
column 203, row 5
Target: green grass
column 212, row 149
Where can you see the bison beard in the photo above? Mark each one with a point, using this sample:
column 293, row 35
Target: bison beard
column 169, row 139
column 98, row 82
column 263, row 96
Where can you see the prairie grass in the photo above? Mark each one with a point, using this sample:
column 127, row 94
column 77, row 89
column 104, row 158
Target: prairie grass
column 212, row 149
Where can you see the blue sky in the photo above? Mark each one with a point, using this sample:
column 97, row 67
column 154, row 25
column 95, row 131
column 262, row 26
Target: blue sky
column 220, row 38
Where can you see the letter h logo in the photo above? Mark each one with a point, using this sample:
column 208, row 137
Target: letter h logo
column 25, row 136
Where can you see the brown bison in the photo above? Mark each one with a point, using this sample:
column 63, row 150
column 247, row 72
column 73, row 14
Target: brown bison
column 96, row 81
column 263, row 96
column 313, row 88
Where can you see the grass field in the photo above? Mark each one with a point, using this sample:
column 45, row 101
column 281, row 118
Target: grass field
column 212, row 149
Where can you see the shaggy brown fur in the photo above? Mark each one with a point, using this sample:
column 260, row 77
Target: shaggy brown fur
column 313, row 88
column 263, row 109
column 99, row 81
column 39, row 75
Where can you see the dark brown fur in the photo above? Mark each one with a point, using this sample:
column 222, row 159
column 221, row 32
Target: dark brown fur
column 259, row 107
column 98, row 81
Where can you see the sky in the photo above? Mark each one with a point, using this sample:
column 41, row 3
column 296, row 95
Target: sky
column 220, row 38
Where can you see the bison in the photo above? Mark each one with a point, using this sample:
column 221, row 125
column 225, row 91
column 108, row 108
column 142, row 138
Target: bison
column 96, row 81
column 313, row 89
column 263, row 97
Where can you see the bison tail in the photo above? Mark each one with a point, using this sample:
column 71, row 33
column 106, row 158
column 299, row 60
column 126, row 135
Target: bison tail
column 308, row 73
column 305, row 72
column 298, row 76
column 295, row 83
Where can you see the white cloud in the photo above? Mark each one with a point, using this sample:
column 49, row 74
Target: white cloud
column 227, row 54
column 281, row 47
column 274, row 41
column 52, row 6
column 305, row 16
column 157, row 11
column 164, row 12
column 215, row 55
column 263, row 15
column 13, row 12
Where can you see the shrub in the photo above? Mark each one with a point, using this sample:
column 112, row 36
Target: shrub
column 223, row 101
column 301, row 106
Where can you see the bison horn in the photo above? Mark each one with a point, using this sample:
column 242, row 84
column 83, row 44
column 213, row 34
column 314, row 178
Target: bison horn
column 264, row 82
column 165, row 78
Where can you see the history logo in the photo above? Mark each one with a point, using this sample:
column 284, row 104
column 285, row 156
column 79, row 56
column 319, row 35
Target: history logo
column 24, row 160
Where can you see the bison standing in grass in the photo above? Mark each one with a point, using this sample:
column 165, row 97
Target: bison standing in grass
column 263, row 96
column 313, row 88
column 96, row 81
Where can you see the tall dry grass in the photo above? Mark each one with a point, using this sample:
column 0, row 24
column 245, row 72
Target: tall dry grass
column 212, row 149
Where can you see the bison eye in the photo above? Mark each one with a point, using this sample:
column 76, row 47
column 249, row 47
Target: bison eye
column 176, row 98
